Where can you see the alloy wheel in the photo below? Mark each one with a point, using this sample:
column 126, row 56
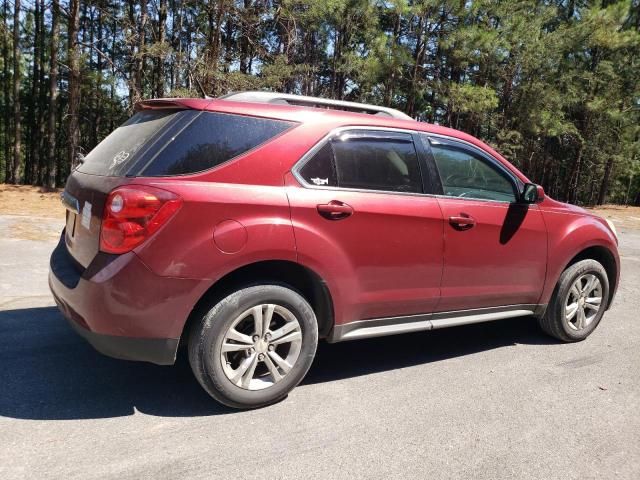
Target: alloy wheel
column 583, row 301
column 261, row 346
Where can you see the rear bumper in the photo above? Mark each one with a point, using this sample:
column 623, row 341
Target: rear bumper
column 161, row 351
column 121, row 307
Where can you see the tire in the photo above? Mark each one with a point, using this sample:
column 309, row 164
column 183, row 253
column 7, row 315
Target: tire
column 556, row 321
column 220, row 348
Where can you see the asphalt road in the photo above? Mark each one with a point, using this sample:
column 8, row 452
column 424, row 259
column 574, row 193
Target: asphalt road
column 499, row 400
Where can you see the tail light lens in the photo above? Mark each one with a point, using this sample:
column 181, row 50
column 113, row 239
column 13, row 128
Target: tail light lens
column 132, row 214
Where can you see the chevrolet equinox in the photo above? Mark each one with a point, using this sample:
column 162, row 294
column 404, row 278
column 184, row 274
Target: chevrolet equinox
column 250, row 226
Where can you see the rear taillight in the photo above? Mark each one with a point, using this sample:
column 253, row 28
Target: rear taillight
column 134, row 213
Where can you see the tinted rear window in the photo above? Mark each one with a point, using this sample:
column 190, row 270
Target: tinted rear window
column 175, row 142
column 211, row 139
column 115, row 154
column 378, row 164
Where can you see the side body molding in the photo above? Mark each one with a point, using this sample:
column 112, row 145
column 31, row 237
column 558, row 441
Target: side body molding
column 414, row 323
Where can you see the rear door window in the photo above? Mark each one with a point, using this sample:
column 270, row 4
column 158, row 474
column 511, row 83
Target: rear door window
column 211, row 139
column 387, row 162
column 366, row 160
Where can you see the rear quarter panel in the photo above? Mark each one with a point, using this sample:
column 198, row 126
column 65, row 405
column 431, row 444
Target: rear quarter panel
column 185, row 248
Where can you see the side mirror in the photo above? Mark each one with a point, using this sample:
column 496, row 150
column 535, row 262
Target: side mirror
column 532, row 193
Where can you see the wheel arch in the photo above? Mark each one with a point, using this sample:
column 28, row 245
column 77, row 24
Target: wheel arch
column 606, row 258
column 285, row 272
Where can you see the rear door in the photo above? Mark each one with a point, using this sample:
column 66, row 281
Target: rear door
column 495, row 248
column 361, row 218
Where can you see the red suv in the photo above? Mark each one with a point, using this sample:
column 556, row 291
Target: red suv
column 250, row 226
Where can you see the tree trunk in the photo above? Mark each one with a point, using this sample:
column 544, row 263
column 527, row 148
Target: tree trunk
column 390, row 84
column 42, row 160
column 213, row 47
column 137, row 30
column 31, row 160
column 162, row 20
column 604, row 186
column 229, row 27
column 53, row 96
column 140, row 60
column 6, row 77
column 97, row 88
column 418, row 58
column 244, row 37
column 133, row 93
column 74, row 82
column 571, row 190
column 112, row 91
column 17, row 127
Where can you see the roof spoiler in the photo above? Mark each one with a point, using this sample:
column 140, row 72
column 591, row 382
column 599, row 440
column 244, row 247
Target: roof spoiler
column 170, row 104
column 305, row 101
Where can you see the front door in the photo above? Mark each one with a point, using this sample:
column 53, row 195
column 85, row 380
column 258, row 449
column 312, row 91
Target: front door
column 495, row 247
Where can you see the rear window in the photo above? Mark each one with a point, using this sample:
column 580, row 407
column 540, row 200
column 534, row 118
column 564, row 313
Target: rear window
column 115, row 154
column 212, row 139
column 164, row 143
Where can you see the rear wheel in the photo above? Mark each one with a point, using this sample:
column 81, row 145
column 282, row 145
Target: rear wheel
column 578, row 302
column 253, row 347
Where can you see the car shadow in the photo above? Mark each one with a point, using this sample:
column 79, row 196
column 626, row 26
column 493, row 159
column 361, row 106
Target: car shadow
column 47, row 372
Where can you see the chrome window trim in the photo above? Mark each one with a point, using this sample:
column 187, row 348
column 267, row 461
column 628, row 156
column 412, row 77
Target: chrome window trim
column 295, row 170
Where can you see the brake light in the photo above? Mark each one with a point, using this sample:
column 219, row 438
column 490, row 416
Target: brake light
column 132, row 214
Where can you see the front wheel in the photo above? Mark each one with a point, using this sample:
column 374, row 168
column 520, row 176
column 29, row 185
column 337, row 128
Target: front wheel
column 253, row 347
column 578, row 302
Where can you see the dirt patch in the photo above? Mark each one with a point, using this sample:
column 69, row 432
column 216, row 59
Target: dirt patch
column 34, row 231
column 621, row 216
column 28, row 200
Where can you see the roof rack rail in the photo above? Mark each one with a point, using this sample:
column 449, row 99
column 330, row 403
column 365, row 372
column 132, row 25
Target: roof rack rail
column 305, row 101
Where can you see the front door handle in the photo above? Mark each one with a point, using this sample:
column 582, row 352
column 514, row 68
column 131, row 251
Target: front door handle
column 335, row 210
column 462, row 221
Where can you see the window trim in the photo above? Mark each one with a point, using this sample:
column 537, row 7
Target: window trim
column 489, row 159
column 299, row 165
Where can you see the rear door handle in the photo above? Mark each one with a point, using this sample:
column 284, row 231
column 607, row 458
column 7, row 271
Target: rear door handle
column 462, row 221
column 335, row 210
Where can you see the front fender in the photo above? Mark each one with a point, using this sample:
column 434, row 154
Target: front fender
column 569, row 235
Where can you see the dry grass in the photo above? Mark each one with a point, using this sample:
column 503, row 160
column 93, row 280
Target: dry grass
column 621, row 216
column 28, row 200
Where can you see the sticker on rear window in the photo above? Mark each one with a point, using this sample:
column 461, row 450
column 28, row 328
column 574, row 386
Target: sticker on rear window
column 86, row 216
column 119, row 158
column 320, row 181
